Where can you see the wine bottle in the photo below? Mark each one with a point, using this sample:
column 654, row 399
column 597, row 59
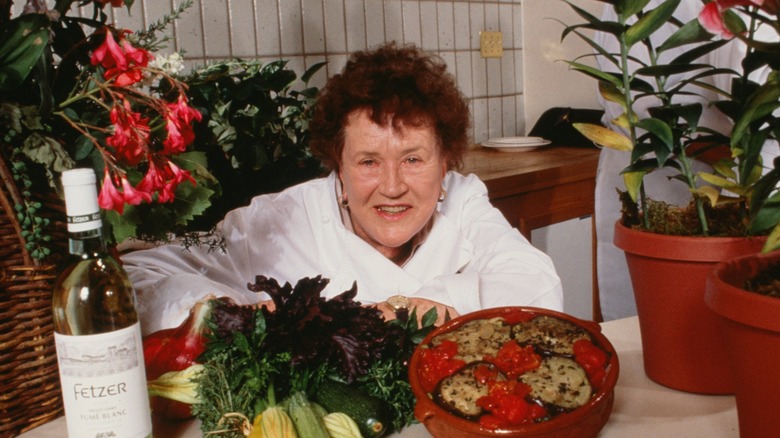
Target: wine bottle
column 96, row 328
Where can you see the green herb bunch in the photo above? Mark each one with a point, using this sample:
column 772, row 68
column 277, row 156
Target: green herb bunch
column 256, row 358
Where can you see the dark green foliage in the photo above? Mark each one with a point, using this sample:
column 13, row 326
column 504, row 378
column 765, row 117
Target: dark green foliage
column 254, row 130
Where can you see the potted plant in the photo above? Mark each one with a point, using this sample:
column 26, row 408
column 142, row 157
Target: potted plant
column 681, row 343
column 744, row 293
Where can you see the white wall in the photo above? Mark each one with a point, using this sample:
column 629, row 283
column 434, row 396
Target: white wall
column 548, row 81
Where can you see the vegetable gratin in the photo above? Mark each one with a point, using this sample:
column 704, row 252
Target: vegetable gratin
column 514, row 369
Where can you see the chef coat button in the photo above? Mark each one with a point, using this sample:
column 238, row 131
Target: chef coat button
column 326, row 219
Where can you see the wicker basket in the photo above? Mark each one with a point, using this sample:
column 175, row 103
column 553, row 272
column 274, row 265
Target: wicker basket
column 29, row 381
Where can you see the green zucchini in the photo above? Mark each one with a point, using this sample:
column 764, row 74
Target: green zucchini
column 372, row 414
column 307, row 421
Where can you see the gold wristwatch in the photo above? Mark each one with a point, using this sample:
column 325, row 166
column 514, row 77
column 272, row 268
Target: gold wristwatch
column 400, row 305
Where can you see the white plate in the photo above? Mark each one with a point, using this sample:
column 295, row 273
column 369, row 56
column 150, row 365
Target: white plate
column 525, row 147
column 512, row 141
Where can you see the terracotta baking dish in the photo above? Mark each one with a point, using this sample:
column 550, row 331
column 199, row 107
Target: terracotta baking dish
column 584, row 421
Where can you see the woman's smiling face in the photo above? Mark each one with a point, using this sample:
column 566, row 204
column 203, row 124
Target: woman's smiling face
column 392, row 179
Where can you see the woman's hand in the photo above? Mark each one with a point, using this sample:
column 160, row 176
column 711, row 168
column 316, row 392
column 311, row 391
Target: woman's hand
column 421, row 305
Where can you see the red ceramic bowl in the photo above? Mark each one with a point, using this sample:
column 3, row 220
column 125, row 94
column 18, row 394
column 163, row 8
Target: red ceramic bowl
column 584, row 421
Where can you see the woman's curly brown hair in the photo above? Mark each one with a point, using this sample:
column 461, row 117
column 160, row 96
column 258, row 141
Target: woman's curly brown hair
column 398, row 85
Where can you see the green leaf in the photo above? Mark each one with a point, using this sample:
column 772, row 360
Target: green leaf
column 596, row 73
column 311, row 71
column 660, row 129
column 628, row 8
column 600, row 50
column 25, row 43
column 650, row 22
column 47, row 151
column 768, row 216
column 765, row 97
column 764, row 188
column 667, row 70
column 697, row 52
column 691, row 113
column 691, row 32
column 71, row 114
column 733, row 22
column 773, row 240
column 721, row 182
column 191, row 201
column 725, row 168
column 709, row 192
column 124, row 226
column 590, row 18
column 612, row 94
column 633, row 182
column 604, row 137
column 82, row 148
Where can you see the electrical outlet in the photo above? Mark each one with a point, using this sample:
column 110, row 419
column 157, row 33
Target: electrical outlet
column 491, row 44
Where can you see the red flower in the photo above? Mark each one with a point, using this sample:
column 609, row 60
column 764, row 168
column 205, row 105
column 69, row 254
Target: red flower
column 114, row 3
column 179, row 175
column 140, row 57
column 179, row 125
column 133, row 196
column 166, row 193
column 131, row 134
column 109, row 198
column 109, row 54
column 123, row 64
column 711, row 16
column 123, row 78
column 153, row 180
column 164, row 182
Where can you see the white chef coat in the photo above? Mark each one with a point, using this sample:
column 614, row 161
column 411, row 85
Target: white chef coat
column 471, row 259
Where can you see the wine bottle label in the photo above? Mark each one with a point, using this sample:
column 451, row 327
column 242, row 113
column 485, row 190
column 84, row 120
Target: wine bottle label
column 104, row 384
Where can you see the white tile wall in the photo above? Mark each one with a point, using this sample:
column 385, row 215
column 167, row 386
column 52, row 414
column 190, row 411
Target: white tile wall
column 309, row 31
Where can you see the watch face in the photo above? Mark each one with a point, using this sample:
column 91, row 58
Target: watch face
column 398, row 302
column 400, row 305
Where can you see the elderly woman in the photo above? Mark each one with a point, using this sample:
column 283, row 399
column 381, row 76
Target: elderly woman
column 392, row 215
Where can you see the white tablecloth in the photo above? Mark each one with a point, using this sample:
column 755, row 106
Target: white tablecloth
column 642, row 408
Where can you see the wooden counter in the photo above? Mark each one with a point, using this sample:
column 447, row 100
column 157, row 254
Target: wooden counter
column 537, row 188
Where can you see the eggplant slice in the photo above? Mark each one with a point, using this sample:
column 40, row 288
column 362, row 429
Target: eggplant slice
column 478, row 338
column 559, row 381
column 459, row 392
column 549, row 335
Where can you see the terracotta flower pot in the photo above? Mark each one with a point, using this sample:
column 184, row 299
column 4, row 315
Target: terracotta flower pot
column 680, row 339
column 750, row 326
